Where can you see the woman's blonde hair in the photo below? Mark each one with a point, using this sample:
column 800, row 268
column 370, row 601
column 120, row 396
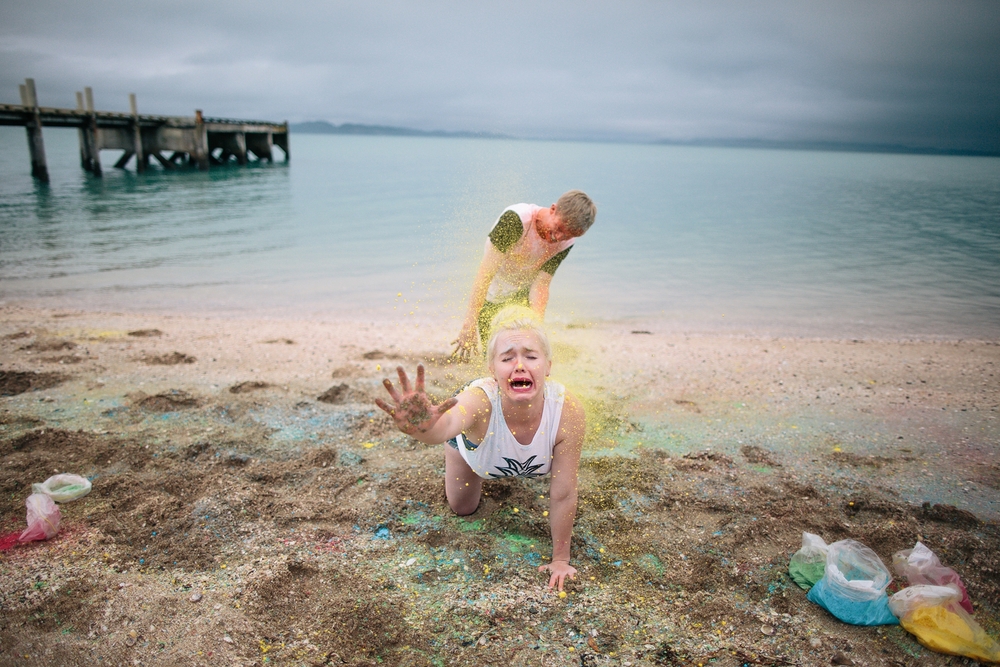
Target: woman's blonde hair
column 516, row 318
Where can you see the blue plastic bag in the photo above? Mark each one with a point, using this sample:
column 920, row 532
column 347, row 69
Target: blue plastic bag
column 853, row 585
column 855, row 612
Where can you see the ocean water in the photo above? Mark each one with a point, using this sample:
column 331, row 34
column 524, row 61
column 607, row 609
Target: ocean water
column 687, row 238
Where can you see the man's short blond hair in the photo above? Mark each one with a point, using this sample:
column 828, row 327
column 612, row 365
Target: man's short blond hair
column 516, row 318
column 577, row 211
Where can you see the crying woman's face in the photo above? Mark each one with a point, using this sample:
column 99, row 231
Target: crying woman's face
column 519, row 365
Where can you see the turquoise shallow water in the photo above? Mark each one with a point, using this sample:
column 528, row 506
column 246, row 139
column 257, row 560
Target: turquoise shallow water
column 781, row 242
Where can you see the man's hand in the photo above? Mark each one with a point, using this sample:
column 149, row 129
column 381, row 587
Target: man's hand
column 466, row 344
column 412, row 409
column 559, row 569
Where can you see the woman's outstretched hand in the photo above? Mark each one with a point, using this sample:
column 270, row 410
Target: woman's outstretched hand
column 412, row 409
column 558, row 571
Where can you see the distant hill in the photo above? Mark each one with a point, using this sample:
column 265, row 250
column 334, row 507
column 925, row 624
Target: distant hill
column 323, row 127
column 835, row 146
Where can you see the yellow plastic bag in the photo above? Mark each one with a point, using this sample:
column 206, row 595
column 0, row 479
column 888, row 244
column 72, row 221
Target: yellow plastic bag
column 945, row 628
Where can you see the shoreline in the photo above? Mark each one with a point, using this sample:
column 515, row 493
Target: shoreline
column 433, row 314
column 242, row 461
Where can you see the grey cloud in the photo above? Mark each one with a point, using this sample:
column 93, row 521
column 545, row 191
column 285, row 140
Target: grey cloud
column 918, row 72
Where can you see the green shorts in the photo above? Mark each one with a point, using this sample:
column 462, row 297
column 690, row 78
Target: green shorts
column 490, row 310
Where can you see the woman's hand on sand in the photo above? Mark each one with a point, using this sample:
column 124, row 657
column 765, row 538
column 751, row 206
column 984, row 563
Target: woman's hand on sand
column 412, row 409
column 466, row 344
column 558, row 570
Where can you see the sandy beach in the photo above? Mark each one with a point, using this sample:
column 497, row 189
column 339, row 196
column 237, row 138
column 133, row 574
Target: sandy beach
column 251, row 506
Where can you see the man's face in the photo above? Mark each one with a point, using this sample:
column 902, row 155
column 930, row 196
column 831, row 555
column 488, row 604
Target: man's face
column 552, row 229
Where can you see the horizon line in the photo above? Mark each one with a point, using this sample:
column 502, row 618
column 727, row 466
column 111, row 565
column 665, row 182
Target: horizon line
column 366, row 129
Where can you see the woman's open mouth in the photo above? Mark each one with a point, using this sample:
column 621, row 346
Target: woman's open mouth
column 520, row 383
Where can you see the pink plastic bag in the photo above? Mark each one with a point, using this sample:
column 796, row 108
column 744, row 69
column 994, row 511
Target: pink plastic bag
column 43, row 518
column 920, row 565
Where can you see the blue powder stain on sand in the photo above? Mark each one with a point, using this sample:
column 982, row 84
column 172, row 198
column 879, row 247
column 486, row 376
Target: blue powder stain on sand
column 382, row 533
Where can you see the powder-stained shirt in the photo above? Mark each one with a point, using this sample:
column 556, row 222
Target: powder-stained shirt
column 524, row 252
column 500, row 454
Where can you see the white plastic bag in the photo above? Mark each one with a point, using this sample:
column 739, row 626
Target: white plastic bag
column 43, row 518
column 913, row 597
column 63, row 488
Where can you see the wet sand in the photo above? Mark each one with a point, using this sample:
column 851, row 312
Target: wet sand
column 250, row 505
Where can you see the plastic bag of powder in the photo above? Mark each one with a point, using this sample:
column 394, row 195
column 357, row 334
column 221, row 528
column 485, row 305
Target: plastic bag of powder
column 63, row 488
column 911, row 598
column 934, row 616
column 808, row 563
column 920, row 565
column 43, row 518
column 853, row 585
column 855, row 571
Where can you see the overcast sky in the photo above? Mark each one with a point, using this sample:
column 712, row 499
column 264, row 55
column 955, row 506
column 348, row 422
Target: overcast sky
column 918, row 73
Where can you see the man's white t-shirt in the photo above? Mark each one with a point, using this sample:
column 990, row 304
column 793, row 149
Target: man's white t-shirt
column 524, row 252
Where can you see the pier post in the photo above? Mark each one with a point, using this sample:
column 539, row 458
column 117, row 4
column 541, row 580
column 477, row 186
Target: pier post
column 140, row 155
column 91, row 131
column 81, row 136
column 200, row 141
column 281, row 141
column 36, row 147
column 241, row 147
column 260, row 145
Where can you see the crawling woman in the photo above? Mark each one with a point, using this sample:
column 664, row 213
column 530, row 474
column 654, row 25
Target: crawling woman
column 513, row 423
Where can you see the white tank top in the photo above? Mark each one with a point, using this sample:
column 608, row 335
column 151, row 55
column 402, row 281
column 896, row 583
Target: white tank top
column 500, row 454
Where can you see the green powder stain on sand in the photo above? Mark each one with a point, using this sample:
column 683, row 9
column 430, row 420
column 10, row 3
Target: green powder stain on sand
column 469, row 526
column 651, row 563
column 419, row 518
column 518, row 543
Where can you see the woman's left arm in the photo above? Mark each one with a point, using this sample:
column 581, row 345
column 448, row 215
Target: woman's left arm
column 562, row 491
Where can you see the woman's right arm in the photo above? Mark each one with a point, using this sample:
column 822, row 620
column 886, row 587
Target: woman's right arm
column 418, row 417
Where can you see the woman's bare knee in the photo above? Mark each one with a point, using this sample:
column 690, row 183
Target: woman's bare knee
column 464, row 506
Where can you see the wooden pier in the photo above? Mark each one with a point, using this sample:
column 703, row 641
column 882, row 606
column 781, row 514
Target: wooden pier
column 186, row 140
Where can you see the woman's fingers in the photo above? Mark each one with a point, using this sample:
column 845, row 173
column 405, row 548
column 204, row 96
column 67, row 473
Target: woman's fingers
column 396, row 398
column 447, row 405
column 404, row 382
column 419, row 388
column 385, row 406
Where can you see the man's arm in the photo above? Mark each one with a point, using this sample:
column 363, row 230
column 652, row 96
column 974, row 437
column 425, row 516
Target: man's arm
column 505, row 233
column 468, row 341
column 538, row 296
